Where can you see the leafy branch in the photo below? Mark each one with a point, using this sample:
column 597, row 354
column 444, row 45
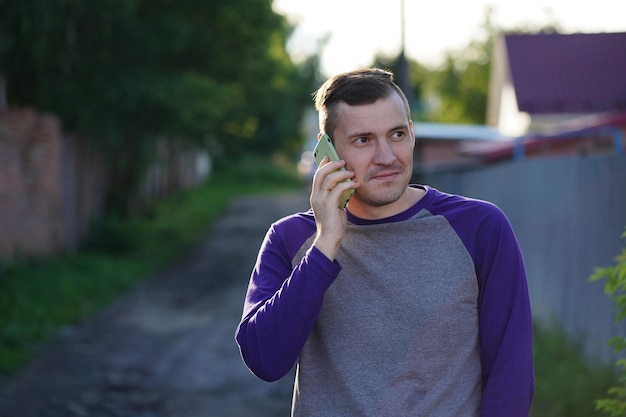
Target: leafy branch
column 615, row 287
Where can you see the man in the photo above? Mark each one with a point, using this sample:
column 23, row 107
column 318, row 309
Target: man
column 411, row 302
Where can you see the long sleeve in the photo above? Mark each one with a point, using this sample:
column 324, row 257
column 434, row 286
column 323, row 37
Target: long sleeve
column 282, row 304
column 505, row 320
column 505, row 329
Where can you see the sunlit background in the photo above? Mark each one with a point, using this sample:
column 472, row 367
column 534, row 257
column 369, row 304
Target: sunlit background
column 356, row 31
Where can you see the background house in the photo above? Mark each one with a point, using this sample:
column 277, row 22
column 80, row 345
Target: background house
column 539, row 81
column 560, row 94
column 549, row 94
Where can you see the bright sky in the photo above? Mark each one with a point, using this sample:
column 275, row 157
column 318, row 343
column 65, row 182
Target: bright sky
column 359, row 29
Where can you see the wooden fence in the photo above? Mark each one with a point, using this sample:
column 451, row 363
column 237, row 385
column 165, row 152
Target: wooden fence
column 568, row 214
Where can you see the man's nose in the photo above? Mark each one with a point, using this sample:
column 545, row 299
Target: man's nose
column 385, row 154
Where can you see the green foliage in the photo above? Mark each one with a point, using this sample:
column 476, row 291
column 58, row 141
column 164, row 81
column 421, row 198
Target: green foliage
column 38, row 297
column 138, row 68
column 126, row 72
column 566, row 383
column 454, row 93
column 253, row 170
column 419, row 77
column 462, row 85
column 615, row 287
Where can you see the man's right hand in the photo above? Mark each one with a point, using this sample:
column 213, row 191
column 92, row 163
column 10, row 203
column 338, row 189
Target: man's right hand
column 328, row 185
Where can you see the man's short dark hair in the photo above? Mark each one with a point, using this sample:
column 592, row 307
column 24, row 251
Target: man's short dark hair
column 363, row 86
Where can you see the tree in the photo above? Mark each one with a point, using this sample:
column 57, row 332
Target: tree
column 125, row 72
column 462, row 83
column 419, row 77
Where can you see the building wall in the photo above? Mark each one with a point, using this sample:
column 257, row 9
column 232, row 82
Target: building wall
column 432, row 151
column 53, row 185
column 30, row 185
column 84, row 181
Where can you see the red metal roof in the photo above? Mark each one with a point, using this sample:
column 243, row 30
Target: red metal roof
column 573, row 73
column 601, row 127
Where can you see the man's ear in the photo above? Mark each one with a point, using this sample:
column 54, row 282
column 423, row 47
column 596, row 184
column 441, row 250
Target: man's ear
column 319, row 135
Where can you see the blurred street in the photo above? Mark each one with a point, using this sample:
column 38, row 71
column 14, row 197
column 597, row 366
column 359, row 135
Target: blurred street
column 167, row 348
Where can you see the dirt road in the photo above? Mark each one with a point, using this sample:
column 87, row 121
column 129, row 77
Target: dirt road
column 166, row 349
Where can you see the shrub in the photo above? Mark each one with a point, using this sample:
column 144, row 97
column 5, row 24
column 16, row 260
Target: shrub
column 615, row 403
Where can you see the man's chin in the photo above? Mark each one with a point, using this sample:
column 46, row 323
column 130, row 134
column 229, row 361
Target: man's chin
column 379, row 197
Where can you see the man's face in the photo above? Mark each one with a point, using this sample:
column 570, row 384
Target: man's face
column 376, row 141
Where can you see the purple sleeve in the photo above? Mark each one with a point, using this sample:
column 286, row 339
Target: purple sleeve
column 282, row 304
column 505, row 320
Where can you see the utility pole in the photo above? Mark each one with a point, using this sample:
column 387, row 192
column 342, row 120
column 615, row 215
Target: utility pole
column 404, row 82
column 403, row 75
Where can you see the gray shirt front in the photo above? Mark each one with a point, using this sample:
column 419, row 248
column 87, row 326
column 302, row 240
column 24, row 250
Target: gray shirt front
column 398, row 331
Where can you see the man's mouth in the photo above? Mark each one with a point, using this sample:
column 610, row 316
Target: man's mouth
column 385, row 175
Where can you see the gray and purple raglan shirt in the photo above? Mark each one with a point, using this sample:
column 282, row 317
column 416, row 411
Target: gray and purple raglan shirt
column 425, row 313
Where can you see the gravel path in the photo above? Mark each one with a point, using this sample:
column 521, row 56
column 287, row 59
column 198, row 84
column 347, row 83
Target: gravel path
column 166, row 349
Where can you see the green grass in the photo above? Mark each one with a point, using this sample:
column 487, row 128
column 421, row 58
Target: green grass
column 37, row 297
column 566, row 385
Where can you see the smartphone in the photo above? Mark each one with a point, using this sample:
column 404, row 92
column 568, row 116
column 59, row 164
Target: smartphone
column 324, row 148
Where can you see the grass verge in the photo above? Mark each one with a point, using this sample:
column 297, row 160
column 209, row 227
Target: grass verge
column 566, row 385
column 37, row 297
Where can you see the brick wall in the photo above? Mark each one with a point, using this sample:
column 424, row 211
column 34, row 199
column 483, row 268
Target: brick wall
column 52, row 185
column 84, row 177
column 30, row 183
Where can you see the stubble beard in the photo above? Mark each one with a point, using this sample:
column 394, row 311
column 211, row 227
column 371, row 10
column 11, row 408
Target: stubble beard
column 383, row 194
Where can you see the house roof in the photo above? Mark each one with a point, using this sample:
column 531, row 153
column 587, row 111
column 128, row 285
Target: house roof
column 600, row 127
column 573, row 73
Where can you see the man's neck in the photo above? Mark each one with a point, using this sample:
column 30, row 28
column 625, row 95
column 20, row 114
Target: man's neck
column 368, row 212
